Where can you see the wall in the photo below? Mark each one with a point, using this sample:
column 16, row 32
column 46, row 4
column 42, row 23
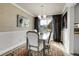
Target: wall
column 76, row 14
column 76, row 43
column 8, row 18
column 69, row 31
column 12, row 36
column 76, row 36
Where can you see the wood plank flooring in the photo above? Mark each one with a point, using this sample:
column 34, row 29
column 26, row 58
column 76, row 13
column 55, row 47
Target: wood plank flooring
column 56, row 49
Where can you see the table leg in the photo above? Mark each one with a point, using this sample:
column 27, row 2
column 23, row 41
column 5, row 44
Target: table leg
column 27, row 46
column 44, row 47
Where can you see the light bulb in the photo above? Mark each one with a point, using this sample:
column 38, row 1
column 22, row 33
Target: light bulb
column 44, row 16
column 39, row 17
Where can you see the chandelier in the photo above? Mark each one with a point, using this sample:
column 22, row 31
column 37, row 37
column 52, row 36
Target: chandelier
column 42, row 16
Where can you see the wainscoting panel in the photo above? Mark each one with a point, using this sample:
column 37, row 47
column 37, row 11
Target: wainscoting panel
column 10, row 40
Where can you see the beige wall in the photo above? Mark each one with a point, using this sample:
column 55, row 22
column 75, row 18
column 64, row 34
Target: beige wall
column 68, row 33
column 8, row 18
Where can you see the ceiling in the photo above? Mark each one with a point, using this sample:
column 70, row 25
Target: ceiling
column 42, row 8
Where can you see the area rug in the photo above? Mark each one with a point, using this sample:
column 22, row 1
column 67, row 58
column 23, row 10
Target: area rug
column 56, row 49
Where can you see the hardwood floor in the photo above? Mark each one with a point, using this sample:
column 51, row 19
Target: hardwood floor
column 56, row 49
column 18, row 51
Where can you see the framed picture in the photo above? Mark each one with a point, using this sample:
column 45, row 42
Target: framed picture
column 22, row 21
column 65, row 20
column 76, row 28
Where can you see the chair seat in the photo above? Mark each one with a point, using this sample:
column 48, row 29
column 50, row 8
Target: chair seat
column 36, row 48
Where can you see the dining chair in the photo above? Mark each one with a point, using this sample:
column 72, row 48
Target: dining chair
column 47, row 42
column 34, row 44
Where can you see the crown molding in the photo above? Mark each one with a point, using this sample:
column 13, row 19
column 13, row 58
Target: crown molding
column 67, row 5
column 22, row 9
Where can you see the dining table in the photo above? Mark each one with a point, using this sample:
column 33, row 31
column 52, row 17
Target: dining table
column 44, row 36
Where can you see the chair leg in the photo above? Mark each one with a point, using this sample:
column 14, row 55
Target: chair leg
column 48, row 50
column 29, row 52
column 38, row 53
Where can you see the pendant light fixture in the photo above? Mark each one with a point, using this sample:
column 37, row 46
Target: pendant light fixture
column 42, row 16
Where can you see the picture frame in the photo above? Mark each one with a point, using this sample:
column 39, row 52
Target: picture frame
column 65, row 20
column 22, row 21
column 76, row 28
